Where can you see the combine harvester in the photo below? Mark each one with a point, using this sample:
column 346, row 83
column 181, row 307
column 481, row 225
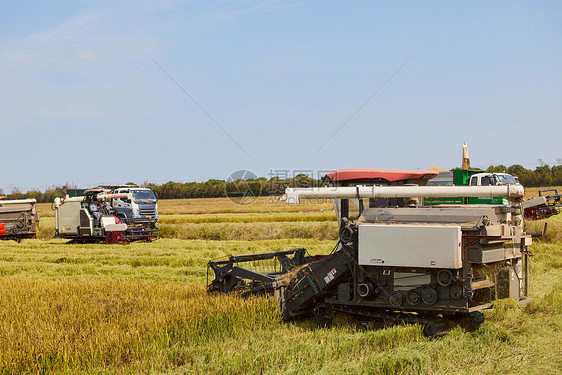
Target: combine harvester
column 75, row 218
column 396, row 260
column 547, row 204
column 18, row 219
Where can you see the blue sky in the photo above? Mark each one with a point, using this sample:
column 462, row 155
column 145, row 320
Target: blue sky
column 83, row 102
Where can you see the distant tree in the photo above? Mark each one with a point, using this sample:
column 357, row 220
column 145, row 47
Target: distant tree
column 543, row 176
column 497, row 169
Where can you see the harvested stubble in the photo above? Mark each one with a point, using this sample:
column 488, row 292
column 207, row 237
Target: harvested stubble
column 162, row 260
column 225, row 205
column 251, row 231
column 553, row 231
column 248, row 217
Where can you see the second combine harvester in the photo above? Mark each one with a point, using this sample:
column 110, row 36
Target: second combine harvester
column 113, row 214
column 397, row 260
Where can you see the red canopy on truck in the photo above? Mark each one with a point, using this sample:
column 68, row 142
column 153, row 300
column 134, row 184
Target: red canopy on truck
column 372, row 174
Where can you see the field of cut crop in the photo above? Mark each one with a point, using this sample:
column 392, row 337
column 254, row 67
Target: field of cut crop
column 143, row 308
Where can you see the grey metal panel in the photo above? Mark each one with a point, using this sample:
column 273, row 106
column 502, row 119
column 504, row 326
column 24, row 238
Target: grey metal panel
column 68, row 217
column 442, row 179
column 424, row 246
column 84, row 219
column 16, row 209
column 483, row 255
column 437, row 215
column 514, row 285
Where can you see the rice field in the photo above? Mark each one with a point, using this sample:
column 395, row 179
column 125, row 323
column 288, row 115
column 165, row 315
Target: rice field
column 143, row 308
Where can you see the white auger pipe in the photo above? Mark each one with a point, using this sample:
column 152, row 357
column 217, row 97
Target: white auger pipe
column 100, row 196
column 59, row 201
column 108, row 196
column 292, row 195
column 19, row 201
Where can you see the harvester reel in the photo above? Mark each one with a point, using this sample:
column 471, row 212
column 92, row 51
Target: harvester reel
column 226, row 284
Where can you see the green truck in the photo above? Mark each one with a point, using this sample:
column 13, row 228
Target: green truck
column 470, row 177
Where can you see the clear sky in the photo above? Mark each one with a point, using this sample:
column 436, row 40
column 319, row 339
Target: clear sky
column 83, row 100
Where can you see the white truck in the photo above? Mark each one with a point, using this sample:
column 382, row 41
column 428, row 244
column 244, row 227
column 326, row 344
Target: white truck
column 140, row 205
column 470, row 177
column 492, row 179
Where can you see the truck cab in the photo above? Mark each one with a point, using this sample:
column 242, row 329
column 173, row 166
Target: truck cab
column 494, row 179
column 491, row 179
column 142, row 208
column 470, row 177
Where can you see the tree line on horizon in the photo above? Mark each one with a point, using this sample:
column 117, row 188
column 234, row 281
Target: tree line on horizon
column 542, row 176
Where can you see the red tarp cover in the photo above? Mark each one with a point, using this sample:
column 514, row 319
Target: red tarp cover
column 2, row 230
column 387, row 174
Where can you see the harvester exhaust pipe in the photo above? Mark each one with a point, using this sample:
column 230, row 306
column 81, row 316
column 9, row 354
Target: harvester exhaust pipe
column 465, row 157
column 100, row 196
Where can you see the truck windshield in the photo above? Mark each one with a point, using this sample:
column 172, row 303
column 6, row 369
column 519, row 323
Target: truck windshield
column 506, row 179
column 144, row 196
